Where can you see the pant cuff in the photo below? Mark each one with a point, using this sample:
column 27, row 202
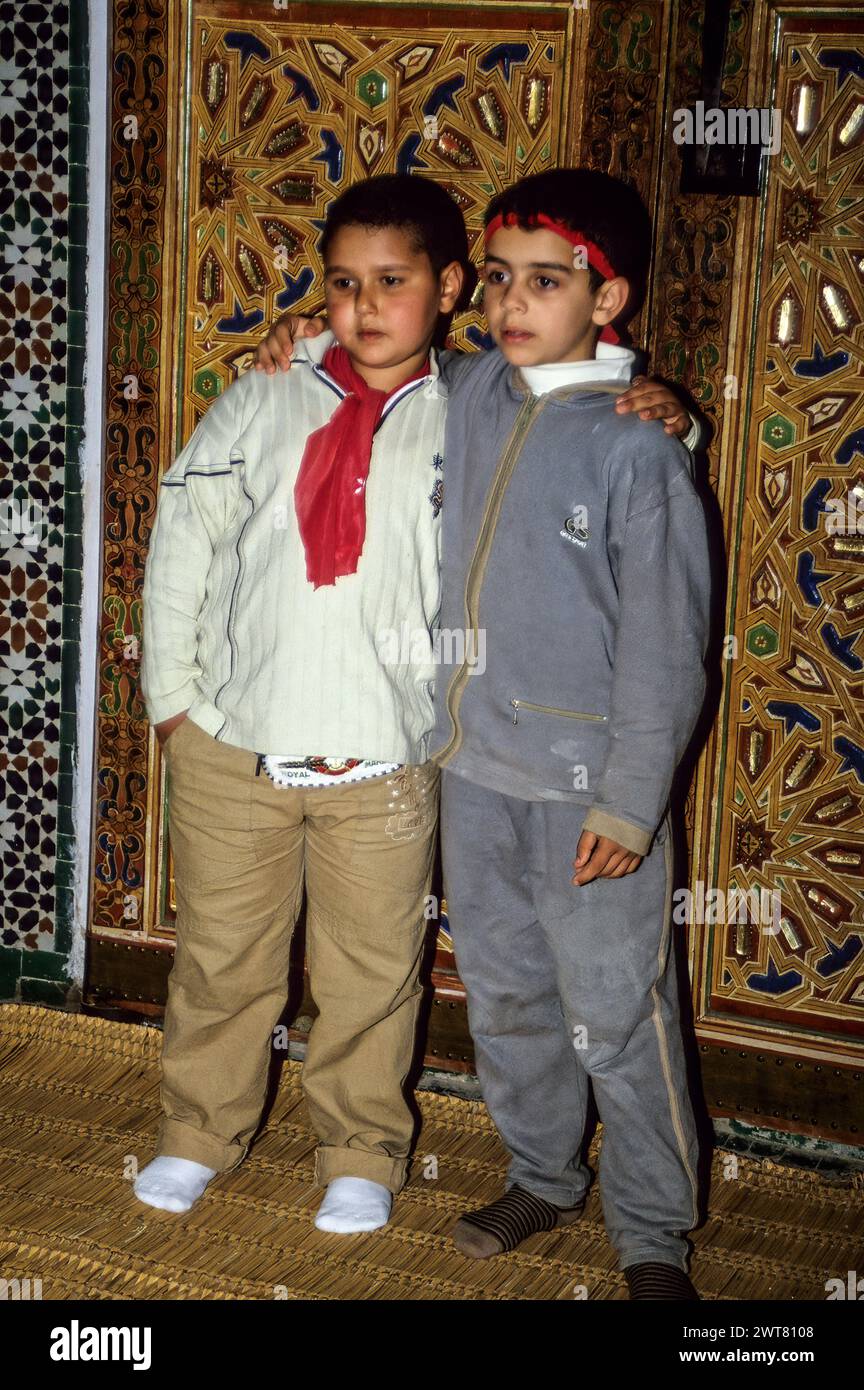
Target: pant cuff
column 559, row 1197
column 656, row 1254
column 332, row 1162
column 181, row 1140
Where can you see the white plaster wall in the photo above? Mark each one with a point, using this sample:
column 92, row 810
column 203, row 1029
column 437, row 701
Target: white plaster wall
column 92, row 454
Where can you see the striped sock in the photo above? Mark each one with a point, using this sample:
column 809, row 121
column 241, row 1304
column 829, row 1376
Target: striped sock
column 655, row 1280
column 510, row 1219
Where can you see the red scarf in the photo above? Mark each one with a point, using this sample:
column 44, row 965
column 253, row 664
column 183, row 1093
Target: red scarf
column 330, row 492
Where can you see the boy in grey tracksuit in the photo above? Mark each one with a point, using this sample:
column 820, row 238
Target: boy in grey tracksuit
column 575, row 557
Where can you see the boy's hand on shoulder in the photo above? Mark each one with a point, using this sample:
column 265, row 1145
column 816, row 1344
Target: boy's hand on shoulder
column 168, row 726
column 654, row 400
column 599, row 857
column 277, row 348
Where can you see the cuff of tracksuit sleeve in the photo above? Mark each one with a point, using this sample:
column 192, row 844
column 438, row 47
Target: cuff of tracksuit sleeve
column 691, row 439
column 631, row 836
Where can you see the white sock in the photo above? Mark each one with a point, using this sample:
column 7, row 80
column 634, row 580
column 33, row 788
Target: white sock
column 354, row 1204
column 173, row 1184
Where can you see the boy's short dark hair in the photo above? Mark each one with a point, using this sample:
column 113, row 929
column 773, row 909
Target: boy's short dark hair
column 607, row 210
column 418, row 206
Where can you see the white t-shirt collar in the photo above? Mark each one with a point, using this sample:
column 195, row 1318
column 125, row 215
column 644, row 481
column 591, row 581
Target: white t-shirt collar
column 611, row 363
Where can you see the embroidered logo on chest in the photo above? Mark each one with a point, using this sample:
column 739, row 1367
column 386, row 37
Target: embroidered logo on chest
column 575, row 528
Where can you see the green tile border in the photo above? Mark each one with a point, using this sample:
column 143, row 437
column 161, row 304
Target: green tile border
column 77, row 104
column 10, row 971
column 47, row 992
column 65, row 845
column 73, row 511
column 63, row 938
column 65, row 873
column 77, row 147
column 44, row 965
column 71, row 622
column 75, row 415
column 78, row 183
column 75, row 328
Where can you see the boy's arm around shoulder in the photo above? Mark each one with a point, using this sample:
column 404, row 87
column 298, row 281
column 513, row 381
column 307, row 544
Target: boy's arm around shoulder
column 197, row 498
column 658, row 678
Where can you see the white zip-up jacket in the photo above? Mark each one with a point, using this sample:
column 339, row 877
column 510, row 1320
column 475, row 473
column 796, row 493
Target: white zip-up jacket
column 232, row 629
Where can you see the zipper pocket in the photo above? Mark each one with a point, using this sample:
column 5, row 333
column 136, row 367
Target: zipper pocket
column 550, row 709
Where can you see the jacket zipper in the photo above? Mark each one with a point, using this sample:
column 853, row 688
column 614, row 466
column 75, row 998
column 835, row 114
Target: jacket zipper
column 550, row 709
column 232, row 609
column 479, row 560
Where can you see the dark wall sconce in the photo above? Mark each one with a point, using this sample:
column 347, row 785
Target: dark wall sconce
column 723, row 150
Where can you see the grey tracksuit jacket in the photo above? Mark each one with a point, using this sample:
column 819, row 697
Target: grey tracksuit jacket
column 575, row 566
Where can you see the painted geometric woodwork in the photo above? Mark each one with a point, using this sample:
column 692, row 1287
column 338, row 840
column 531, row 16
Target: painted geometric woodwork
column 286, row 115
column 787, row 803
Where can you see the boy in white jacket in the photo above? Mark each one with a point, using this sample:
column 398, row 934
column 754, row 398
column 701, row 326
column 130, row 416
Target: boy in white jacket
column 274, row 581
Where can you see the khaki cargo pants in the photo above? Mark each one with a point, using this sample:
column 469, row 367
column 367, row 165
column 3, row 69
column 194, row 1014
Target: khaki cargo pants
column 242, row 847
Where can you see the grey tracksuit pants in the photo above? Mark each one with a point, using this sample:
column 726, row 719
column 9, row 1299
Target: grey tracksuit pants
column 567, row 984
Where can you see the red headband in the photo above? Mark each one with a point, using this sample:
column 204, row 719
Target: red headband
column 595, row 256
